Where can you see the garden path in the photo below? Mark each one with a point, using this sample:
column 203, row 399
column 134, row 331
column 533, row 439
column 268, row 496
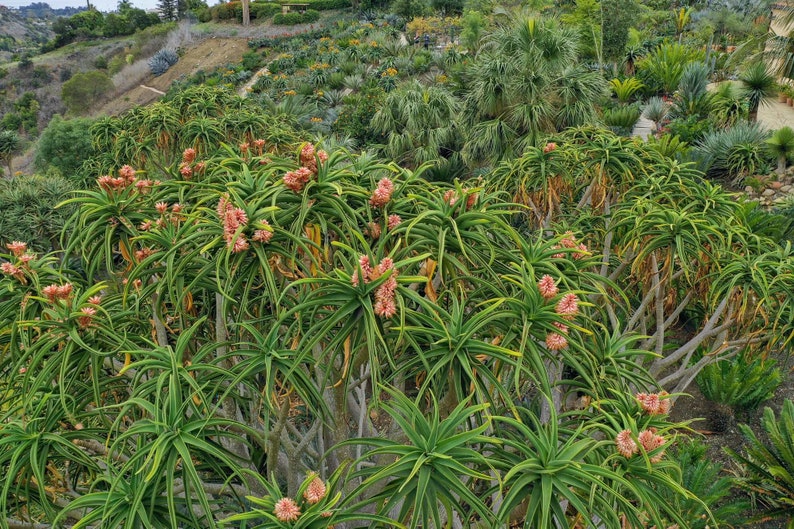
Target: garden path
column 772, row 114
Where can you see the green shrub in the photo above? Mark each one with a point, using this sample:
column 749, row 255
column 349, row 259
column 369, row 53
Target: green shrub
column 743, row 383
column 263, row 10
column 65, row 145
column 292, row 19
column 28, row 212
column 324, row 5
column 690, row 129
column 769, row 464
column 85, row 90
column 252, row 60
column 224, row 11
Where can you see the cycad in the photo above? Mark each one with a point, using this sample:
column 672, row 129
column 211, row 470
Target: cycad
column 769, row 464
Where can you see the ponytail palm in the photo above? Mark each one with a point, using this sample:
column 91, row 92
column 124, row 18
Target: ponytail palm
column 523, row 85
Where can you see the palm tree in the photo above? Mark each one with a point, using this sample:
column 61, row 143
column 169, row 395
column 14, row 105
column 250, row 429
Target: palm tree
column 524, row 84
column 420, row 123
column 781, row 144
column 758, row 83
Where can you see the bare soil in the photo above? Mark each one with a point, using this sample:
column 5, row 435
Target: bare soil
column 207, row 54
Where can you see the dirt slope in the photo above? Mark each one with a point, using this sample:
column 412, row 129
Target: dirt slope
column 204, row 55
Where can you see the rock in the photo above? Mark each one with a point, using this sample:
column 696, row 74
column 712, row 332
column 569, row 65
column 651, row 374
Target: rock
column 787, row 188
column 748, row 190
column 768, row 192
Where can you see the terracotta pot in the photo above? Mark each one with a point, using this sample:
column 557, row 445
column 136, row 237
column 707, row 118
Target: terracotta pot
column 790, row 102
column 776, row 185
column 781, row 98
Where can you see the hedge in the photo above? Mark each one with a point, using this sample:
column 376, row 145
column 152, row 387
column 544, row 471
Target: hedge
column 291, row 19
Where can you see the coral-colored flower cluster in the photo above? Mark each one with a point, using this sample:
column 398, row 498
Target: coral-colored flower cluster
column 567, row 308
column 382, row 194
column 234, row 221
column 57, row 292
column 112, row 184
column 263, row 235
column 19, row 250
column 297, row 179
column 316, row 491
column 569, row 242
column 549, row 147
column 385, row 305
column 309, row 156
column 654, row 403
column 451, row 197
column 188, row 168
column 374, row 229
column 548, row 289
column 287, row 510
column 87, row 315
column 648, row 439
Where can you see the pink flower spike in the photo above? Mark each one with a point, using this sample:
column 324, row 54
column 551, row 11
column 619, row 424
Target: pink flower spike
column 188, row 155
column 286, row 510
column 161, row 207
column 568, row 306
column 393, row 221
column 262, row 236
column 547, row 287
column 382, row 194
column 50, row 292
column 95, row 300
column 127, row 173
column 64, row 291
column 556, row 341
column 626, row 445
column 85, row 320
column 315, row 491
column 9, row 269
column 17, row 247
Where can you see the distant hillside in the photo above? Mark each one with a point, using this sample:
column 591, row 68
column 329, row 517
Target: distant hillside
column 19, row 32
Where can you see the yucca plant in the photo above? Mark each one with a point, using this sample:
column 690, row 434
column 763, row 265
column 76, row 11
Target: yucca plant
column 656, row 109
column 781, row 144
column 768, row 465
